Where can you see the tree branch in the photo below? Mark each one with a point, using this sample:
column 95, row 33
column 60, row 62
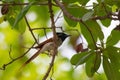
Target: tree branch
column 37, row 3
column 31, row 30
column 54, row 39
column 66, row 13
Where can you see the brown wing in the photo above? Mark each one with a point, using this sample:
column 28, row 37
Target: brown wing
column 37, row 53
column 41, row 44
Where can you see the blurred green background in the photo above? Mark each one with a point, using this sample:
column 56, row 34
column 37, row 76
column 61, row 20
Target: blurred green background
column 20, row 38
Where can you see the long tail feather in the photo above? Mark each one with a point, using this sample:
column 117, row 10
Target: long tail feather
column 30, row 59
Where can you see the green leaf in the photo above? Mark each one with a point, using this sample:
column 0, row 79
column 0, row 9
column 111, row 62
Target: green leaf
column 114, row 56
column 101, row 10
column 112, row 2
column 87, row 16
column 81, row 58
column 111, row 63
column 22, row 14
column 93, row 64
column 108, row 69
column 83, row 2
column 22, row 26
column 114, row 8
column 2, row 19
column 94, row 29
column 106, row 22
column 97, row 61
column 113, row 38
column 11, row 21
column 70, row 22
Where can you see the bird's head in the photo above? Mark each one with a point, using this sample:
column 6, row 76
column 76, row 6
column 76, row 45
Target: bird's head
column 62, row 35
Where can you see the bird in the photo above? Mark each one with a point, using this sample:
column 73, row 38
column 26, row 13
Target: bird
column 47, row 45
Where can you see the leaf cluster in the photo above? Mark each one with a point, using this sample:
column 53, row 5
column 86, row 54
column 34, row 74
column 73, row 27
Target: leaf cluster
column 103, row 11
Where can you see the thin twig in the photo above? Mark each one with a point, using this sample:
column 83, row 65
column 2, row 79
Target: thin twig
column 45, row 33
column 15, row 59
column 37, row 3
column 43, row 28
column 30, row 30
column 58, row 16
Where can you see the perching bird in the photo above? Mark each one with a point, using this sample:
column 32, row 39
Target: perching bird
column 47, row 45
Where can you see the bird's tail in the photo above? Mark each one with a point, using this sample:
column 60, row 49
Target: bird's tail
column 30, row 59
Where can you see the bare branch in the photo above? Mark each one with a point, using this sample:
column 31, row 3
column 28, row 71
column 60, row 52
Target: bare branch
column 37, row 3
column 74, row 18
column 30, row 30
column 15, row 59
column 54, row 39
column 67, row 14
column 58, row 16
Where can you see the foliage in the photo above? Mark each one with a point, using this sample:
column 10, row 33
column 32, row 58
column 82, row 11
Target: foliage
column 77, row 14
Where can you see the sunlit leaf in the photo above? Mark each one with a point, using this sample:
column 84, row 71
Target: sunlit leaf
column 114, row 8
column 2, row 19
column 22, row 26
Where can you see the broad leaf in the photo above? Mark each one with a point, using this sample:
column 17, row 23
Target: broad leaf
column 93, row 64
column 113, row 38
column 114, row 56
column 106, row 22
column 94, row 32
column 70, row 22
column 108, row 69
column 100, row 11
column 111, row 63
column 81, row 58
